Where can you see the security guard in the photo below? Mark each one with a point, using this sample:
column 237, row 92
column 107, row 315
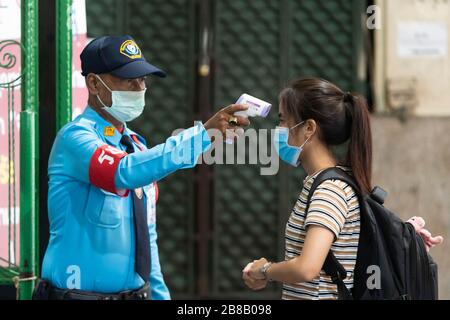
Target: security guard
column 102, row 183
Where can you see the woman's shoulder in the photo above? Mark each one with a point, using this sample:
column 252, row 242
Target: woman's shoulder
column 339, row 187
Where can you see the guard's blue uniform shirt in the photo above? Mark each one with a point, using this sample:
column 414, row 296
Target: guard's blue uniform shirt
column 92, row 240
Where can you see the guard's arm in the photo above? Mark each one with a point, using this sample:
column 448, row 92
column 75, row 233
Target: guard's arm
column 82, row 155
column 178, row 152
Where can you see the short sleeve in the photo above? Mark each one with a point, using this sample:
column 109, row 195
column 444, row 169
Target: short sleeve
column 328, row 207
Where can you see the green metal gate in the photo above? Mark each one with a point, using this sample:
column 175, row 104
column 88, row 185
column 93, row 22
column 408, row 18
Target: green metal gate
column 213, row 220
column 24, row 273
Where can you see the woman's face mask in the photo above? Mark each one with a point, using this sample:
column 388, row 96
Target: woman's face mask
column 287, row 153
column 126, row 105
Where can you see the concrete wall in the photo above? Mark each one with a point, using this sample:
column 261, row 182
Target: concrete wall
column 412, row 163
column 412, row 57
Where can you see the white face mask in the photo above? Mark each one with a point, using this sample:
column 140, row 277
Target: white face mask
column 126, row 105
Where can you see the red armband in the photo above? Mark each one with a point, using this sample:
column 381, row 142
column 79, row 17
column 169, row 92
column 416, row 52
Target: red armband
column 103, row 167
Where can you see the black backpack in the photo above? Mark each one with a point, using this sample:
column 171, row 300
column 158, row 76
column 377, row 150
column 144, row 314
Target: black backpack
column 392, row 262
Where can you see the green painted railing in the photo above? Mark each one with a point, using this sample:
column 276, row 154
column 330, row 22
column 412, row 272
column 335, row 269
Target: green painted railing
column 29, row 151
column 63, row 62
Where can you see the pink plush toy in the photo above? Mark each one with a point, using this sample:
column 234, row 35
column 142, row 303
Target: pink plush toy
column 419, row 225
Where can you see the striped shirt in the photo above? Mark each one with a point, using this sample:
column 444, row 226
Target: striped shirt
column 334, row 206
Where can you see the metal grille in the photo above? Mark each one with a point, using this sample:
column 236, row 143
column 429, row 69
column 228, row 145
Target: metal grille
column 325, row 43
column 322, row 40
column 169, row 107
column 246, row 204
column 105, row 17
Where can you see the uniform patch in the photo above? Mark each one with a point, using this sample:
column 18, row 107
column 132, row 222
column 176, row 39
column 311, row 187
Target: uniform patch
column 109, row 131
column 130, row 49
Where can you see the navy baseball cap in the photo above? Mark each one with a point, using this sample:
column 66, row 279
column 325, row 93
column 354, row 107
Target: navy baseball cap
column 118, row 55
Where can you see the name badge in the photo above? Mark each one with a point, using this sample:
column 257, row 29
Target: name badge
column 150, row 193
column 139, row 193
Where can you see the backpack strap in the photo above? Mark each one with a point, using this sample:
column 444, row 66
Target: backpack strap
column 337, row 272
column 332, row 266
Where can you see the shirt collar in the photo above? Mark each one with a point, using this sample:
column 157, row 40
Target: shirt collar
column 105, row 129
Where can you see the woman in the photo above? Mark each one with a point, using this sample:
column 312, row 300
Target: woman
column 316, row 115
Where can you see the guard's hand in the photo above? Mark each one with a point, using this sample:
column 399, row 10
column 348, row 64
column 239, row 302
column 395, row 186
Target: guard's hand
column 221, row 120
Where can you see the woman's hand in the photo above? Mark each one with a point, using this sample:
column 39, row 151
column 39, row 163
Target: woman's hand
column 254, row 270
column 252, row 276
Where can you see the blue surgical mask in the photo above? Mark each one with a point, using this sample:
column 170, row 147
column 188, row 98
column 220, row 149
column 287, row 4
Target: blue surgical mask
column 287, row 153
column 126, row 105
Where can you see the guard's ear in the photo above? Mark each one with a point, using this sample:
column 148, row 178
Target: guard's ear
column 92, row 84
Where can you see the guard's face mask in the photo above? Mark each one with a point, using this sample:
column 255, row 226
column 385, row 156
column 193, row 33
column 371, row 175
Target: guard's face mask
column 287, row 153
column 126, row 105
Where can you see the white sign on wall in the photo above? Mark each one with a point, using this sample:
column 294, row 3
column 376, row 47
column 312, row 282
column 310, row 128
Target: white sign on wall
column 422, row 39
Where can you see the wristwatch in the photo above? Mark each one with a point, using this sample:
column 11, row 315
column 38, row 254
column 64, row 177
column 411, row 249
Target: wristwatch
column 264, row 269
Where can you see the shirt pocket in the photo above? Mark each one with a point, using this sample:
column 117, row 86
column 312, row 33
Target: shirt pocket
column 104, row 209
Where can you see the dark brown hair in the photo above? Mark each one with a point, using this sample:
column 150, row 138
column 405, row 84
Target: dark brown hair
column 340, row 116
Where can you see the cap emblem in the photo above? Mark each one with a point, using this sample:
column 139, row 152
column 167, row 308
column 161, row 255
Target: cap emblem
column 130, row 49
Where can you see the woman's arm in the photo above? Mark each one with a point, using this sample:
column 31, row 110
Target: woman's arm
column 303, row 268
column 325, row 219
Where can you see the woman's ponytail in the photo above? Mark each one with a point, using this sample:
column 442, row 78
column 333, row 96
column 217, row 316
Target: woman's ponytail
column 359, row 156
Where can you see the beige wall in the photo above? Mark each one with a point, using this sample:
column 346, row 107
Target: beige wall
column 420, row 77
column 412, row 162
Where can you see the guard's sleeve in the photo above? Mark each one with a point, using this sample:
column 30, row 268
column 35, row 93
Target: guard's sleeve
column 88, row 158
column 178, row 152
column 159, row 290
